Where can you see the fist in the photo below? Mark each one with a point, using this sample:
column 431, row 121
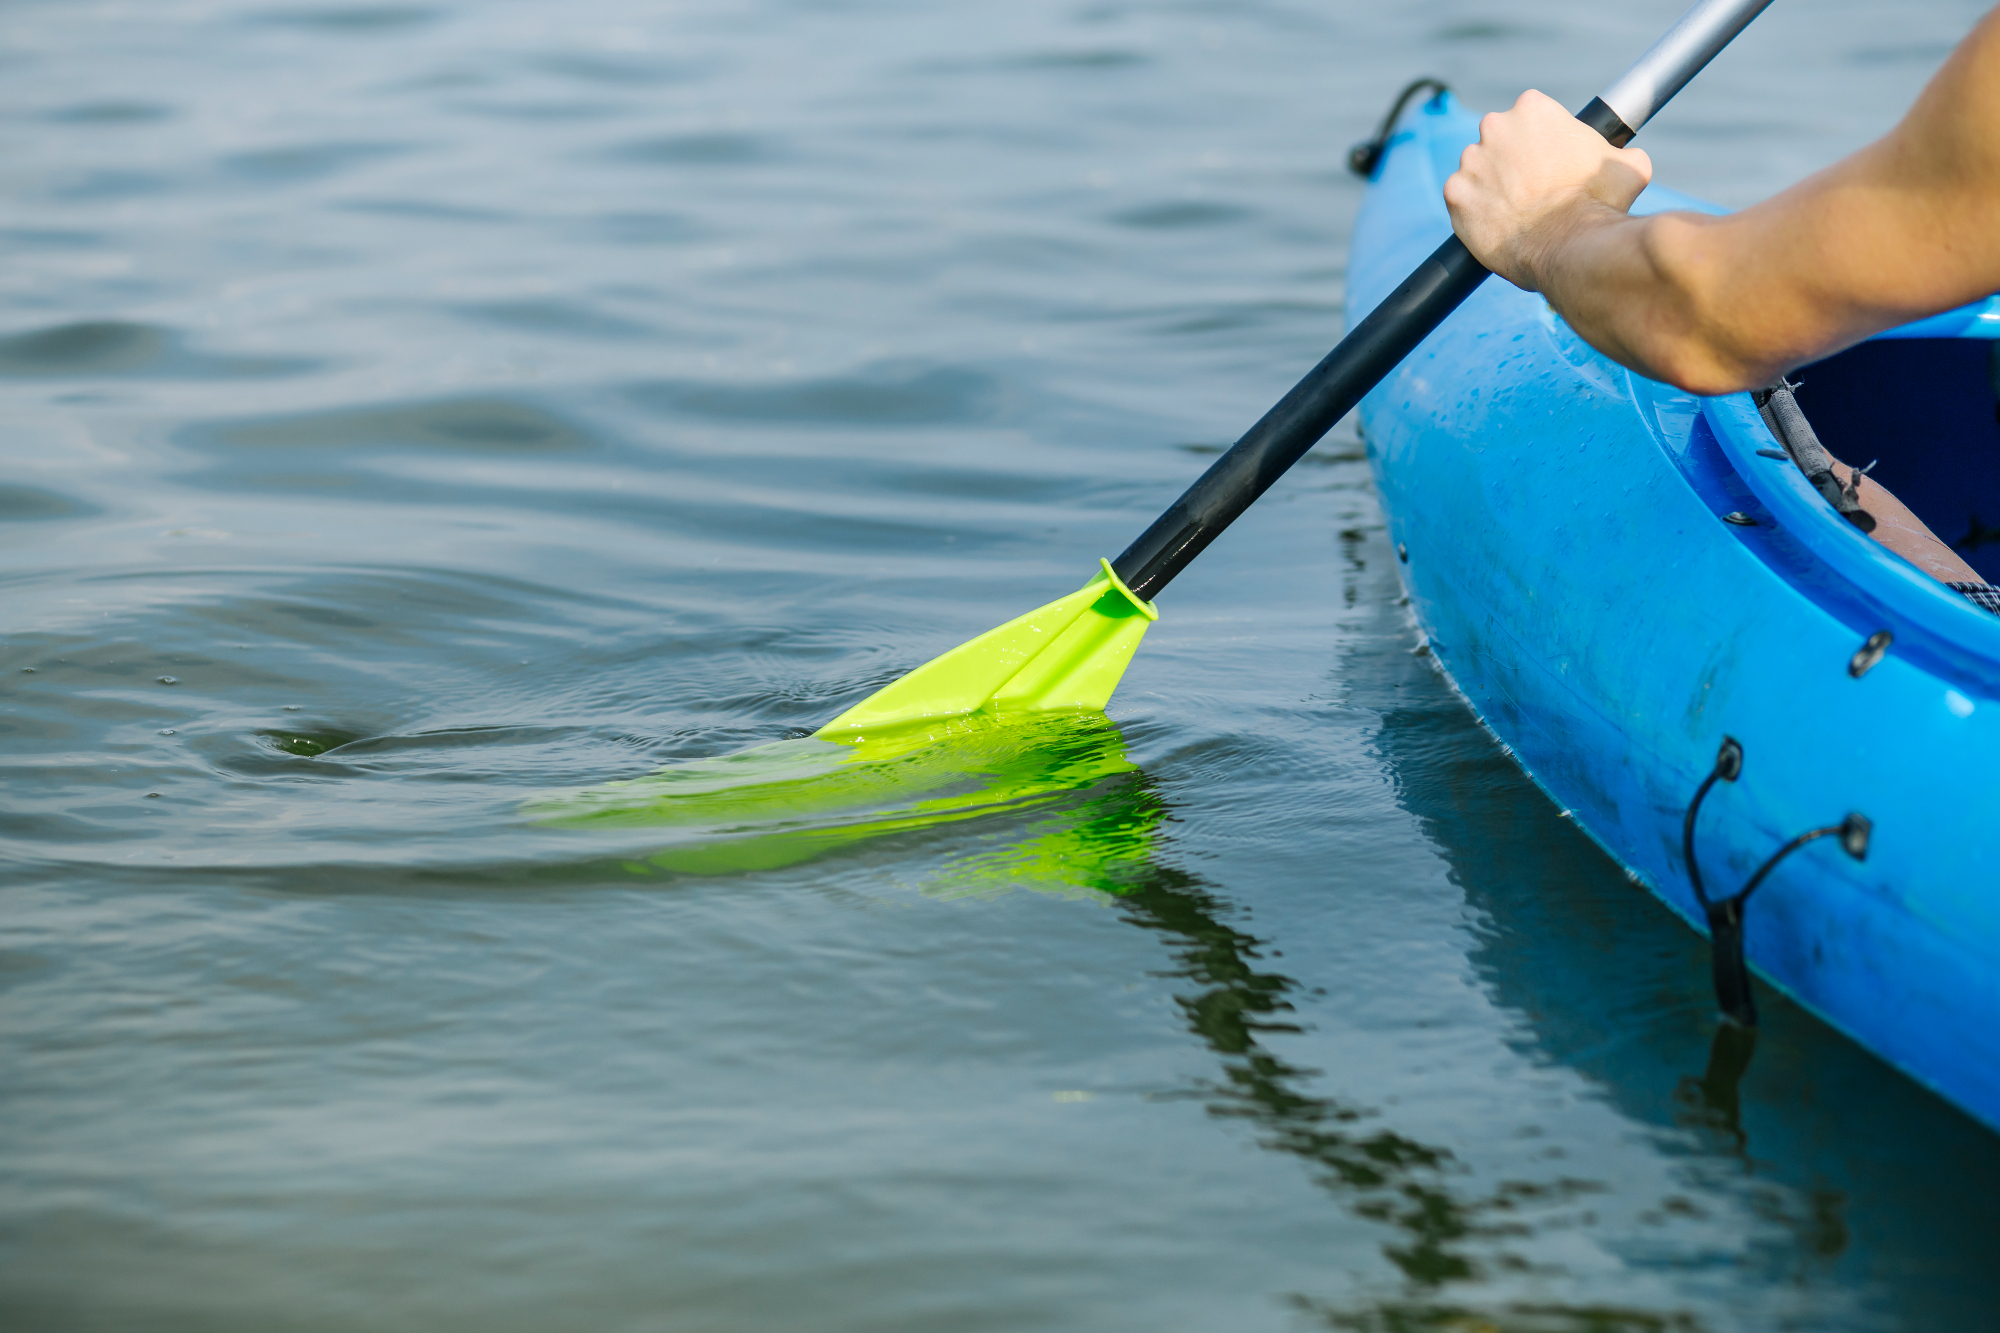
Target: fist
column 1535, row 175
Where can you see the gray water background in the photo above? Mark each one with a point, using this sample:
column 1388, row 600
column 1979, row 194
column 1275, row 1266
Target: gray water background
column 407, row 409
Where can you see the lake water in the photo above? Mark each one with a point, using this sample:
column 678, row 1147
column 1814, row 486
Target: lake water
column 415, row 411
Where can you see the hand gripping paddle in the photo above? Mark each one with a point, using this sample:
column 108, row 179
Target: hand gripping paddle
column 1070, row 654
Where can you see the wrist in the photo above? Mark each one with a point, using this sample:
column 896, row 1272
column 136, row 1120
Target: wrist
column 1552, row 245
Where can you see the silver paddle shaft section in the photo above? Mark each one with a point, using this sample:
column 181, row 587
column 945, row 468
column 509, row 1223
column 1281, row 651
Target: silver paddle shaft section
column 1677, row 57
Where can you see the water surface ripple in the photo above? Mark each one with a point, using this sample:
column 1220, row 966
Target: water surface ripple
column 416, row 412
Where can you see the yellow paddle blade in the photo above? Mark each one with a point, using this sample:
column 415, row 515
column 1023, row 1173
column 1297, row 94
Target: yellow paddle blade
column 1000, row 725
column 1064, row 657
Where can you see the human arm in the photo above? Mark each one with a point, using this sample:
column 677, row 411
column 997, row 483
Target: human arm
column 1901, row 229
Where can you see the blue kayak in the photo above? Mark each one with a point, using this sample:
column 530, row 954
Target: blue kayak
column 1624, row 579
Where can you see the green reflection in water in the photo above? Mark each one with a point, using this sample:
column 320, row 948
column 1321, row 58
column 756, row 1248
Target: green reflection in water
column 1054, row 804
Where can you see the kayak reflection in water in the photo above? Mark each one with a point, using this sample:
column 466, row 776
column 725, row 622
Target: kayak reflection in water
column 1900, row 230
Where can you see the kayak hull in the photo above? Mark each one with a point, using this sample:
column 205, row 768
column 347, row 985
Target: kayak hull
column 1560, row 523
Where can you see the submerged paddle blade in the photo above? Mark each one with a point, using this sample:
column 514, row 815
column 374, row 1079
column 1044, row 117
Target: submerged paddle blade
column 1067, row 656
column 1053, row 800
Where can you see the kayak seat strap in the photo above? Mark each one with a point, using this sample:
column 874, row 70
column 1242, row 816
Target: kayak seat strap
column 1780, row 409
column 1781, row 413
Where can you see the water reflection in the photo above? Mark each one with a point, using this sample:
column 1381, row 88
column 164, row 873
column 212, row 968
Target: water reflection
column 1234, row 1000
column 1053, row 803
column 1813, row 1139
column 1715, row 1098
column 1611, row 987
column 1056, row 804
column 1446, row 1237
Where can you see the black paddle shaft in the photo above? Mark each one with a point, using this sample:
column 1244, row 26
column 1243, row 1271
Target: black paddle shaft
column 1393, row 329
column 1269, row 448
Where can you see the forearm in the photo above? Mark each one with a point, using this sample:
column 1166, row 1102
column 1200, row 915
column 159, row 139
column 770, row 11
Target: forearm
column 1672, row 297
column 1899, row 230
column 1542, row 201
column 1632, row 289
column 1719, row 304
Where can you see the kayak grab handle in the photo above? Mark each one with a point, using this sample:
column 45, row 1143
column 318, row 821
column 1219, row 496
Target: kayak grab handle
column 1725, row 915
column 1392, row 330
column 1364, row 157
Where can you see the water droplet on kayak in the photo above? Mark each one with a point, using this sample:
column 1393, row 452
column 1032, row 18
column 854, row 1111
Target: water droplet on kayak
column 170, row 680
column 27, row 671
column 166, row 731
